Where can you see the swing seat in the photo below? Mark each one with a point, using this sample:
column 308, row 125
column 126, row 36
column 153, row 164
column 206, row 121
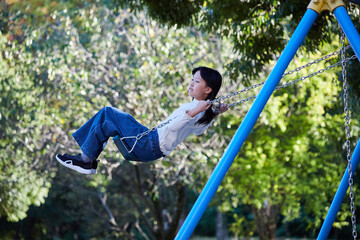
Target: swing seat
column 124, row 149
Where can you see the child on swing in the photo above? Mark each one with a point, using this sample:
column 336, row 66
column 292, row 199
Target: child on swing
column 190, row 118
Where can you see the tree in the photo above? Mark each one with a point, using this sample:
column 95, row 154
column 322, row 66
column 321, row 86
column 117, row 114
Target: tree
column 92, row 57
column 259, row 30
column 24, row 133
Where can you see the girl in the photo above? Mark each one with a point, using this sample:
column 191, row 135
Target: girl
column 193, row 117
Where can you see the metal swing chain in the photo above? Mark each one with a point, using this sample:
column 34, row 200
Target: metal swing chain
column 285, row 74
column 299, row 79
column 347, row 133
column 140, row 135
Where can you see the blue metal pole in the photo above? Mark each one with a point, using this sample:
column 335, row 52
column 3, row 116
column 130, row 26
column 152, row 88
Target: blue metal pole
column 348, row 27
column 246, row 126
column 339, row 196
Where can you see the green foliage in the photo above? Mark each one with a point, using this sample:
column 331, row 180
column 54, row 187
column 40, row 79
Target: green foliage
column 24, row 129
column 75, row 63
column 352, row 72
column 178, row 13
column 259, row 30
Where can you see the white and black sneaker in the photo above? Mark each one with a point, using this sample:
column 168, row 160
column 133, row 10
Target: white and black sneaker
column 76, row 163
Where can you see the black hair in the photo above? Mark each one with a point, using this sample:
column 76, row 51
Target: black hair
column 213, row 80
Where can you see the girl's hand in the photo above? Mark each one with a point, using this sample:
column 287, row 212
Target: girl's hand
column 221, row 108
column 203, row 105
column 200, row 107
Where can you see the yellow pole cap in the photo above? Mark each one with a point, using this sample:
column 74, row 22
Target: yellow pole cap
column 322, row 5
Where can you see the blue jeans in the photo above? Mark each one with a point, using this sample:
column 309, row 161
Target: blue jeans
column 109, row 122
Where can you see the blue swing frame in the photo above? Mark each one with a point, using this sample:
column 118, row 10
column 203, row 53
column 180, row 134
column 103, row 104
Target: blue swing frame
column 251, row 117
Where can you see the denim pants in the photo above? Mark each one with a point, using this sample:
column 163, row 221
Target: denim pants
column 109, row 122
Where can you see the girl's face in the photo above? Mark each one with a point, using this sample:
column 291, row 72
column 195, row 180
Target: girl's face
column 198, row 88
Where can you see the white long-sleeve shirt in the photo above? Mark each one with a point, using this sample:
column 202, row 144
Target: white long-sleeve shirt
column 180, row 127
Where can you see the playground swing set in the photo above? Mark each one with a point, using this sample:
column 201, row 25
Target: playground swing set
column 337, row 7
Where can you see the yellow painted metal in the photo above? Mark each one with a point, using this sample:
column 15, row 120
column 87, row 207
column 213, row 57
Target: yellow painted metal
column 325, row 5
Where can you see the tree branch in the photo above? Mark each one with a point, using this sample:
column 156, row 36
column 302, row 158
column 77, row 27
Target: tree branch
column 102, row 198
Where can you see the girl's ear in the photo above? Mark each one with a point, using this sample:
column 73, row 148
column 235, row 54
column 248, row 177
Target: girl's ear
column 208, row 90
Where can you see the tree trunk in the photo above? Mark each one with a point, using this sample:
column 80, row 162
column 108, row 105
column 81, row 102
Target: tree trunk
column 221, row 226
column 265, row 219
column 178, row 211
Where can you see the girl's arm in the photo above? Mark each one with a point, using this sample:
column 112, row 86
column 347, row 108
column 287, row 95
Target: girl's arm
column 204, row 105
column 200, row 107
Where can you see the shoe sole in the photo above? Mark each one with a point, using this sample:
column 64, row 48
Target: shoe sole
column 75, row 168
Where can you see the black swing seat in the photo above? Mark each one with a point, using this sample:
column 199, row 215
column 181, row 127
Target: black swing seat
column 124, row 149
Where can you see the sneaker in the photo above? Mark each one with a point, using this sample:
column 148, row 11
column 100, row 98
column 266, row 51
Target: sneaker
column 75, row 162
column 94, row 165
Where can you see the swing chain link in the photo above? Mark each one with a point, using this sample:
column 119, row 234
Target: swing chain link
column 347, row 133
